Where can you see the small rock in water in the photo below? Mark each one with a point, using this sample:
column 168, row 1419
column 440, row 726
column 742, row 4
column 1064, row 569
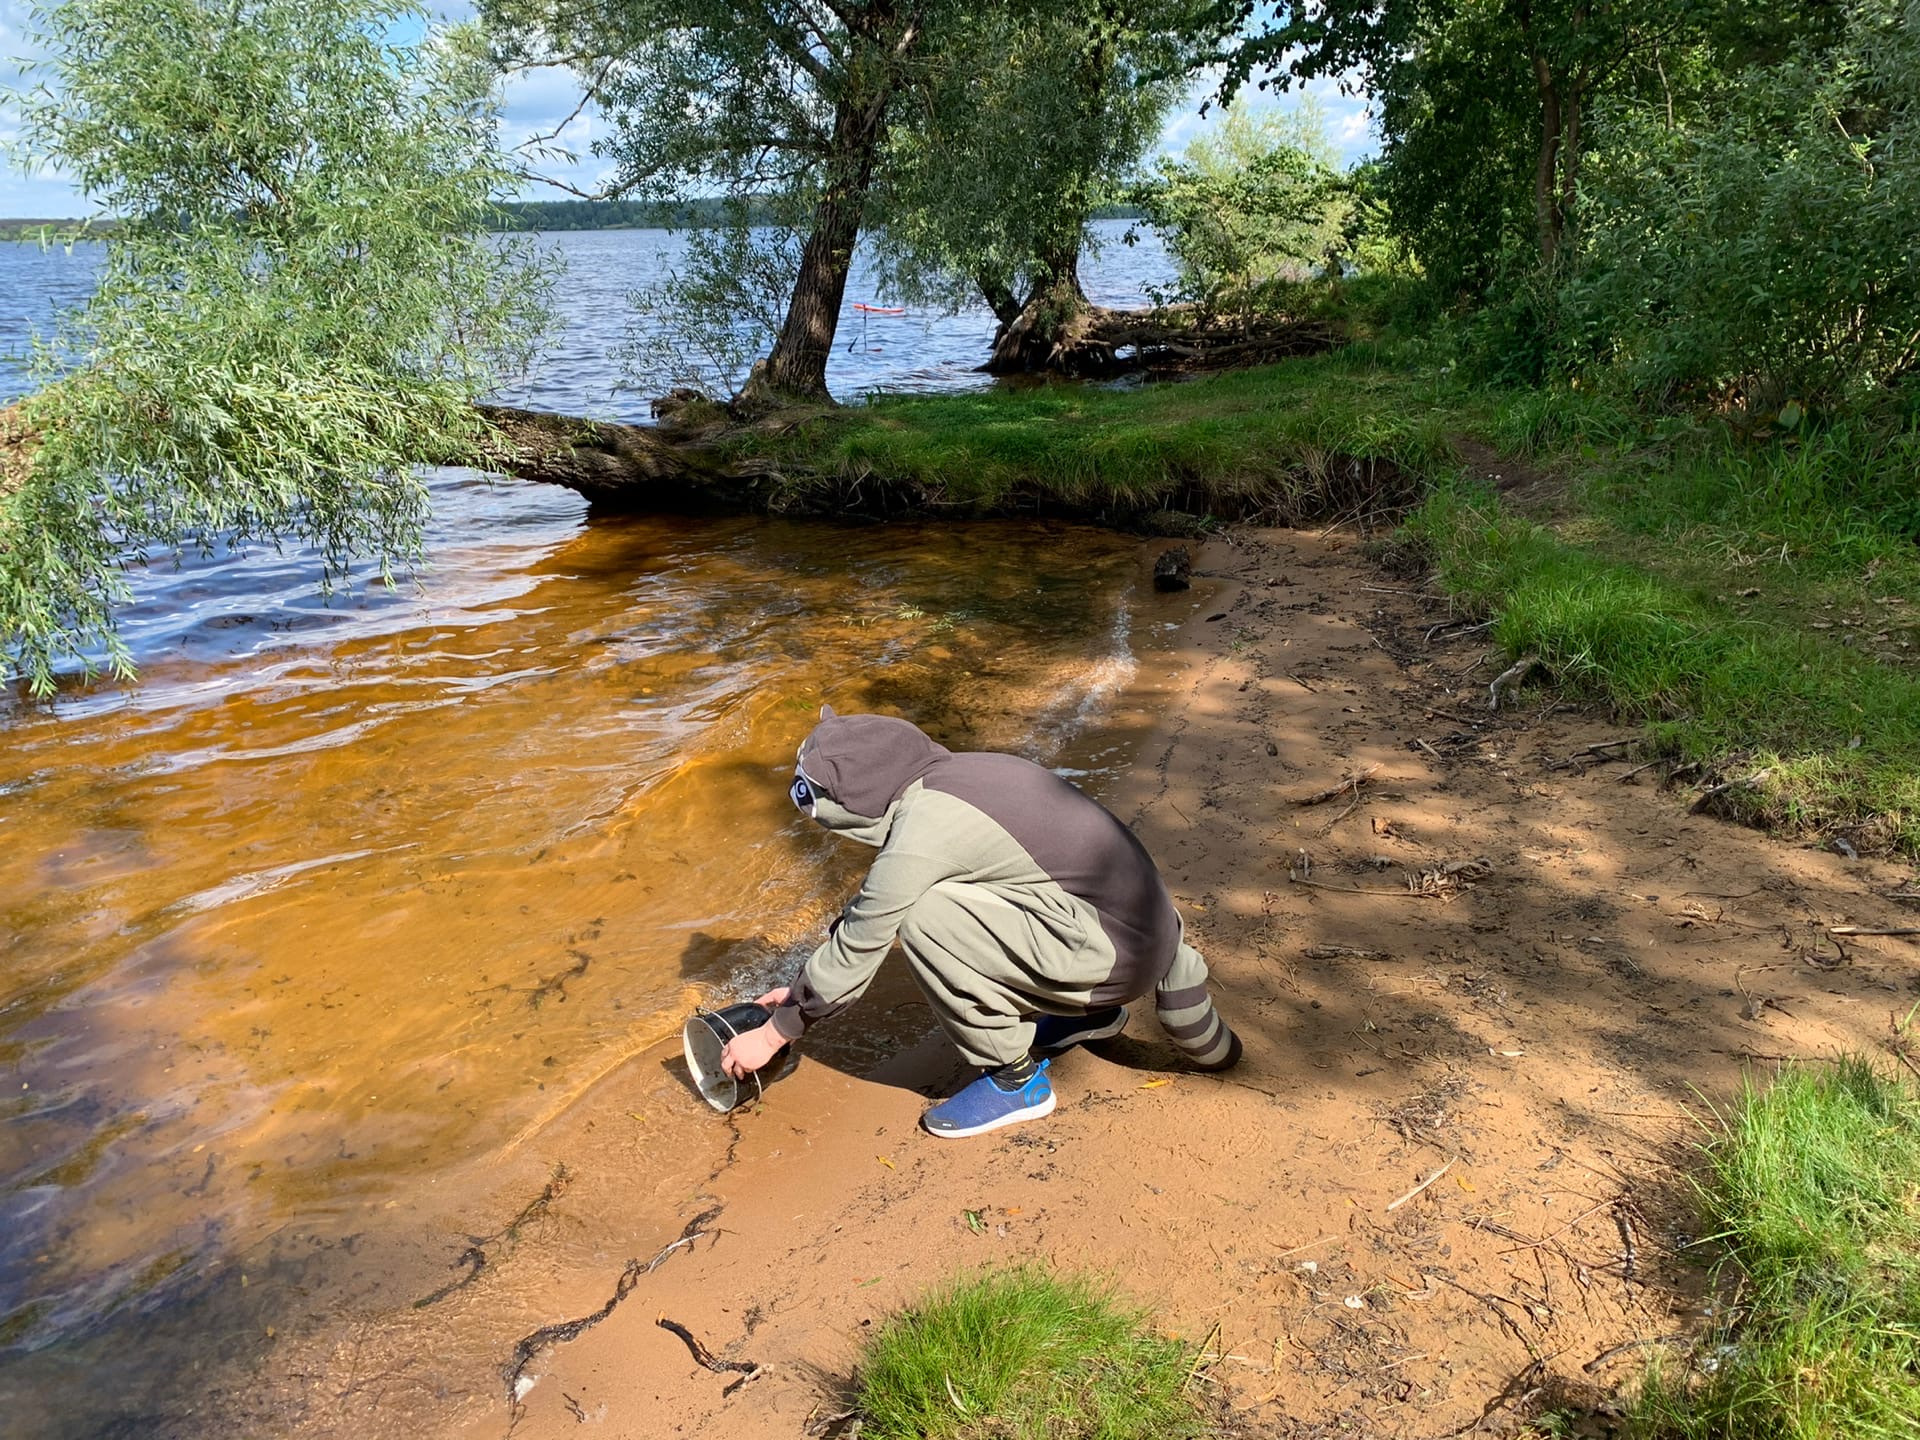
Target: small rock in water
column 1174, row 569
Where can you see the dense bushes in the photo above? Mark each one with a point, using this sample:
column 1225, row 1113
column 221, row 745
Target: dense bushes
column 1765, row 248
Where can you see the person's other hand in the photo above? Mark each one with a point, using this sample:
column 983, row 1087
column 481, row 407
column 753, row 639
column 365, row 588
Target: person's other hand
column 775, row 998
column 746, row 1053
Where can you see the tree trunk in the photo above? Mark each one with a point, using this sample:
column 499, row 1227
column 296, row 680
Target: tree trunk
column 1043, row 334
column 1570, row 159
column 797, row 367
column 1000, row 298
column 1546, row 190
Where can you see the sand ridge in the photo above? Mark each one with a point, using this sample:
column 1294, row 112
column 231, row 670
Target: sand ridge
column 1485, row 994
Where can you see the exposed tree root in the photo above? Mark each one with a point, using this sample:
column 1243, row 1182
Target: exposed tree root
column 547, row 1336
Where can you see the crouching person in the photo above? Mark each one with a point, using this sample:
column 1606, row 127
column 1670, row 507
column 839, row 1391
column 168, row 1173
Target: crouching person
column 1029, row 915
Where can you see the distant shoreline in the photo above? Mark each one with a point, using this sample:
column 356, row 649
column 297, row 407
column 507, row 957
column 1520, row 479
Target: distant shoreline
column 529, row 216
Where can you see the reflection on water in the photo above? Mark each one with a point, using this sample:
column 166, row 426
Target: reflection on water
column 343, row 895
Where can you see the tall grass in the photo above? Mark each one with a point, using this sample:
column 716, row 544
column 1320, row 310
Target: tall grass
column 1813, row 1188
column 1023, row 1354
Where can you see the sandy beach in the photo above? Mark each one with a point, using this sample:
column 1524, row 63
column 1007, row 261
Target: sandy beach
column 1485, row 991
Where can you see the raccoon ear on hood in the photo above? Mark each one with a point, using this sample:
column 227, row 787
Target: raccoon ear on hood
column 863, row 762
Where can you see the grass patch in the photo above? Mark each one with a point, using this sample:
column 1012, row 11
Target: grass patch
column 1298, row 441
column 1023, row 1354
column 1753, row 598
column 1837, row 732
column 1813, row 1187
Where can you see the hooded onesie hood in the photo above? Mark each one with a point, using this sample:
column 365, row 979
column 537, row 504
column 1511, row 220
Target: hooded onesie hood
column 859, row 765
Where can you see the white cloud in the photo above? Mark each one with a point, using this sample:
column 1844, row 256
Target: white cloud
column 24, row 194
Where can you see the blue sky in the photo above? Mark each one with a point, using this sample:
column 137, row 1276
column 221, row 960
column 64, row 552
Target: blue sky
column 535, row 103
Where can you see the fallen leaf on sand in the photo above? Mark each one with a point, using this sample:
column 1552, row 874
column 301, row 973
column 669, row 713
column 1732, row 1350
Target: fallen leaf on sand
column 1156, row 1084
column 884, row 1161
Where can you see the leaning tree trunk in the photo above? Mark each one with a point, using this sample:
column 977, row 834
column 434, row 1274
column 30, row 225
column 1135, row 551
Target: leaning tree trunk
column 797, row 367
column 999, row 296
column 1549, row 218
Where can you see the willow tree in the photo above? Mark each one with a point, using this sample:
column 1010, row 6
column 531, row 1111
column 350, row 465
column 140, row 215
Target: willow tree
column 296, row 307
column 785, row 103
column 1019, row 127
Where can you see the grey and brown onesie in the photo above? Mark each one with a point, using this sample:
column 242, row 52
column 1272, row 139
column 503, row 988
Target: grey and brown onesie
column 1012, row 893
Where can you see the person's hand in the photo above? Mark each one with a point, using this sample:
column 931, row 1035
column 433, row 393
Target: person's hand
column 746, row 1053
column 774, row 999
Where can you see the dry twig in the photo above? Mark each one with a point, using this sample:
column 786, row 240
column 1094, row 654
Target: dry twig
column 1421, row 1186
column 1508, row 678
column 1334, row 792
column 1714, row 792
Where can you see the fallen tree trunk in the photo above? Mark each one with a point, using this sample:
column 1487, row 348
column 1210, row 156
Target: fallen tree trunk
column 691, row 465
column 614, row 463
column 1093, row 342
column 696, row 461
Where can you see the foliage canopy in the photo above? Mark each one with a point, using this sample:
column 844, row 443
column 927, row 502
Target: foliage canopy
column 296, row 308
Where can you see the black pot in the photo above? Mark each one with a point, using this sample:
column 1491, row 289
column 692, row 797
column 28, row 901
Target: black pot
column 707, row 1033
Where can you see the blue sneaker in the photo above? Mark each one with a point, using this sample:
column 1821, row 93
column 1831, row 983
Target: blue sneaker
column 1056, row 1034
column 984, row 1106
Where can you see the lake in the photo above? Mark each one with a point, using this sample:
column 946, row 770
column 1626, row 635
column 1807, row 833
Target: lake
column 351, row 892
column 918, row 351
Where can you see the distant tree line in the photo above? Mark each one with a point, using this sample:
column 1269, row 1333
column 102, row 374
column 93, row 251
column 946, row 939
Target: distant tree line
column 702, row 214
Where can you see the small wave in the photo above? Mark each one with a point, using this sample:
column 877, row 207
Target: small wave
column 258, row 882
column 1087, row 696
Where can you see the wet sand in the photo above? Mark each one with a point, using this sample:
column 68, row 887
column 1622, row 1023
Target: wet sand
column 1492, row 963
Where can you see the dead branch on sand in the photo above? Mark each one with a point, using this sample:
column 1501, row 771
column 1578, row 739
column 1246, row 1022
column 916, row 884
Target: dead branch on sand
column 1508, row 678
column 1334, row 792
column 1395, row 1205
column 1714, row 792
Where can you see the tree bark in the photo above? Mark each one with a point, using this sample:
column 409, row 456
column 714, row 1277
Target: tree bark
column 797, row 367
column 1546, row 190
column 1000, row 298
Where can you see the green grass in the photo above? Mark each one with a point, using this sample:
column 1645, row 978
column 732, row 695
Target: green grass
column 1290, row 442
column 1754, row 599
column 1023, row 1354
column 1837, row 732
column 1813, row 1189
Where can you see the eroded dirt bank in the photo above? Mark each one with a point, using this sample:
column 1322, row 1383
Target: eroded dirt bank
column 1531, row 1023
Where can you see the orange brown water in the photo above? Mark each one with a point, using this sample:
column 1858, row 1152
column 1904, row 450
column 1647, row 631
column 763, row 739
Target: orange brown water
column 339, row 899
